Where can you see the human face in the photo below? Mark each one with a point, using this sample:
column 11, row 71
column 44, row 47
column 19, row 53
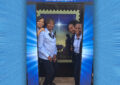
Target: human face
column 40, row 23
column 78, row 29
column 71, row 28
column 50, row 25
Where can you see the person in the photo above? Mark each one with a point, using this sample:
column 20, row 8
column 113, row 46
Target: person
column 71, row 26
column 48, row 51
column 67, row 46
column 71, row 29
column 40, row 25
column 77, row 51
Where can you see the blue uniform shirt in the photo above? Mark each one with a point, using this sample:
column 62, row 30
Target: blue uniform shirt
column 46, row 45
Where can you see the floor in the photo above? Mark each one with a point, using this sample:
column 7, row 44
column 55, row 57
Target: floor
column 61, row 81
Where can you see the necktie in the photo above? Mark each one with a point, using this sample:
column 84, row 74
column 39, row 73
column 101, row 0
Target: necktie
column 78, row 38
column 52, row 36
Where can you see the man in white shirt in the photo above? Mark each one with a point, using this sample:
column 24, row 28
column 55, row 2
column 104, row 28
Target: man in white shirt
column 48, row 51
column 77, row 52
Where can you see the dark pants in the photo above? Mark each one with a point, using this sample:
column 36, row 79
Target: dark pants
column 49, row 68
column 77, row 68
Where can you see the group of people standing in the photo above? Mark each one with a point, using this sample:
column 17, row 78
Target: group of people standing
column 47, row 49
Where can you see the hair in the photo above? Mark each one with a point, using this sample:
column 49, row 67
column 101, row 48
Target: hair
column 77, row 22
column 49, row 19
column 38, row 18
column 73, row 22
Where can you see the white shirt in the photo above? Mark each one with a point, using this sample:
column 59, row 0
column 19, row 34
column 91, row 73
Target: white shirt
column 76, row 43
column 38, row 29
column 46, row 45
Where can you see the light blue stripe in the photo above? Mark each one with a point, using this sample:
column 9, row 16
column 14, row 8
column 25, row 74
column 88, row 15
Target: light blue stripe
column 12, row 42
column 106, row 31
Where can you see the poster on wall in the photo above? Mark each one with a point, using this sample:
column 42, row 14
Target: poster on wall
column 59, row 42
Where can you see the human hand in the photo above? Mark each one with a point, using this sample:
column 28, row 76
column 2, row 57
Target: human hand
column 50, row 59
column 71, row 49
column 54, row 58
column 42, row 29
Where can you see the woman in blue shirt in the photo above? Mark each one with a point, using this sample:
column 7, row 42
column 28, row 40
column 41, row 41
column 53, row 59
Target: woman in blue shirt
column 48, row 51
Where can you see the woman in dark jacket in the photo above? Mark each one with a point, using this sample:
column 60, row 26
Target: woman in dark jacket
column 77, row 51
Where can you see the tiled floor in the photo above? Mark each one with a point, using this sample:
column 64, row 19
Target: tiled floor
column 61, row 81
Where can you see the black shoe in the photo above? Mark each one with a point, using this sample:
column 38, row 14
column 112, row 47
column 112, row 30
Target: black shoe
column 53, row 84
